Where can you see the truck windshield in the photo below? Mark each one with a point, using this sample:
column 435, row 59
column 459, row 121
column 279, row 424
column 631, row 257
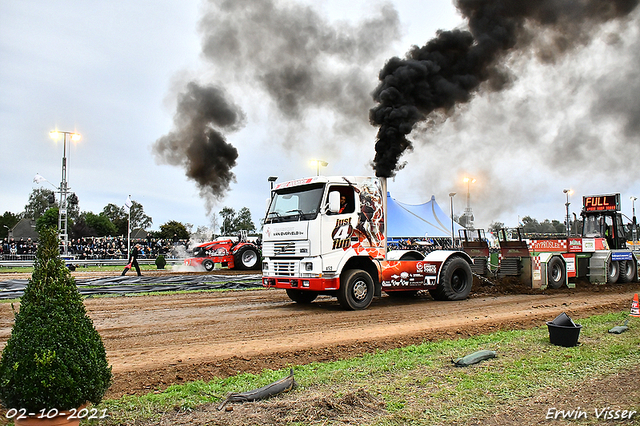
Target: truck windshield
column 297, row 203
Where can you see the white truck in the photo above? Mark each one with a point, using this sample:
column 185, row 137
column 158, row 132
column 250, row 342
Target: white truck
column 326, row 236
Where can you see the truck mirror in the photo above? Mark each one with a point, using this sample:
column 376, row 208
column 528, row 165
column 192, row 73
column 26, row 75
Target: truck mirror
column 334, row 201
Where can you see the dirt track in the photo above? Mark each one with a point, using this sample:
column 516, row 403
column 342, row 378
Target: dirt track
column 155, row 341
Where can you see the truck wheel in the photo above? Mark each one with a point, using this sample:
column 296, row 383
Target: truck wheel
column 208, row 265
column 246, row 258
column 456, row 280
column 627, row 271
column 613, row 273
column 356, row 290
column 556, row 273
column 301, row 296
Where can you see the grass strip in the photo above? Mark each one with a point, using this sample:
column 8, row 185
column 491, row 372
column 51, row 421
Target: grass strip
column 418, row 384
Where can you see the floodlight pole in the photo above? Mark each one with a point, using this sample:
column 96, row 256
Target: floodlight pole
column 63, row 232
column 451, row 195
column 568, row 192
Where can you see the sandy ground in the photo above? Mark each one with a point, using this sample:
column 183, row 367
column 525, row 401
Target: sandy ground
column 155, row 341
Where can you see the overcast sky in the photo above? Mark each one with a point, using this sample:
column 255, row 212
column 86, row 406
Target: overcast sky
column 115, row 71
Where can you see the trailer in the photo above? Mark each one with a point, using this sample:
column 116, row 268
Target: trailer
column 599, row 254
column 327, row 236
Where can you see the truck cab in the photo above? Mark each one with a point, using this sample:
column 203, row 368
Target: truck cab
column 607, row 225
column 326, row 235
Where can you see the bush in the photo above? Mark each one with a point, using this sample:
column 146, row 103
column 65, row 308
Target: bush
column 160, row 262
column 54, row 357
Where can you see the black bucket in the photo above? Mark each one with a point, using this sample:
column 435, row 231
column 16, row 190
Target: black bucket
column 563, row 319
column 563, row 331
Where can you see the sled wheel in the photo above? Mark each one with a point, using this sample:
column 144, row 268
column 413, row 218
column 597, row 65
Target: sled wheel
column 246, row 258
column 455, row 280
column 301, row 296
column 627, row 270
column 356, row 290
column 556, row 274
column 613, row 272
column 208, row 265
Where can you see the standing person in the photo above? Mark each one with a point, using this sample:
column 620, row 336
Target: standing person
column 133, row 260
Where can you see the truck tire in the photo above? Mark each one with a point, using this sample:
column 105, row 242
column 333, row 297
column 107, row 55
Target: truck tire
column 456, row 280
column 613, row 272
column 246, row 258
column 627, row 271
column 556, row 273
column 301, row 296
column 208, row 265
column 356, row 290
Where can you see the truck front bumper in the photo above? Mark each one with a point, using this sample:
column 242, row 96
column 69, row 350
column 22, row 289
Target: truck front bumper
column 312, row 284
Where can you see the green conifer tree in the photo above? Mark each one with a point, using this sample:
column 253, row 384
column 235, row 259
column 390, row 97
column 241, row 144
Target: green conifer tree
column 54, row 357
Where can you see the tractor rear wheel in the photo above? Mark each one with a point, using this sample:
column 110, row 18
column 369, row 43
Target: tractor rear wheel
column 247, row 258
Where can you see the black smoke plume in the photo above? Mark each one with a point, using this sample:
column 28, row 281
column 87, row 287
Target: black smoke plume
column 298, row 59
column 453, row 66
column 279, row 53
column 197, row 143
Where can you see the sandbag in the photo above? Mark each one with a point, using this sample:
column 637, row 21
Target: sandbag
column 620, row 328
column 474, row 358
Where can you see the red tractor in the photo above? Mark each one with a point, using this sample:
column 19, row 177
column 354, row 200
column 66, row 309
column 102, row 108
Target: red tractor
column 239, row 254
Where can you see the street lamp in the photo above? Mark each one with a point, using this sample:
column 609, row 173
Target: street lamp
column 568, row 192
column 319, row 163
column 634, row 230
column 451, row 194
column 467, row 211
column 64, row 189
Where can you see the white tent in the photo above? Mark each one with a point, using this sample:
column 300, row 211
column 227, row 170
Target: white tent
column 418, row 221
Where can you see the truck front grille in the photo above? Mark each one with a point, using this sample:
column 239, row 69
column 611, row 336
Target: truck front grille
column 285, row 269
column 283, row 248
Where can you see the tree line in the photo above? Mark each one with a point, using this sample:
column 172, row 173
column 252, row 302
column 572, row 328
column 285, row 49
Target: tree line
column 530, row 225
column 42, row 207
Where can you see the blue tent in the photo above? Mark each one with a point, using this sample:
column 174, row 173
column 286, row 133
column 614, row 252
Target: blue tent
column 406, row 220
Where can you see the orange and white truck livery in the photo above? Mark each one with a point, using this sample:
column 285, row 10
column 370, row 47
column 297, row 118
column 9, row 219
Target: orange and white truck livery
column 326, row 236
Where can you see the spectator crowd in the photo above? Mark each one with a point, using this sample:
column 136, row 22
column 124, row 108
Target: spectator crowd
column 98, row 248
